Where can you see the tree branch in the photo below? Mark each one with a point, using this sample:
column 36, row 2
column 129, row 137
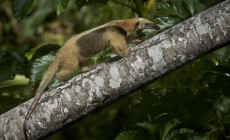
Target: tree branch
column 149, row 60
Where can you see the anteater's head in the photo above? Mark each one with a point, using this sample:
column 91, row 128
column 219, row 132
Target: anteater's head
column 134, row 24
column 142, row 23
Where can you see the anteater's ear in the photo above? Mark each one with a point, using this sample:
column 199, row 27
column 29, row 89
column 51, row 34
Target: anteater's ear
column 137, row 24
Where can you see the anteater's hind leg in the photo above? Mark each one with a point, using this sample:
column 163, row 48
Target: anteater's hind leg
column 67, row 69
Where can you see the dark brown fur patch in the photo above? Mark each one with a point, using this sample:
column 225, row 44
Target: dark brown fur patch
column 93, row 42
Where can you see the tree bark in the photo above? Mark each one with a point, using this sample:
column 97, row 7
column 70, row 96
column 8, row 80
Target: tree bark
column 205, row 32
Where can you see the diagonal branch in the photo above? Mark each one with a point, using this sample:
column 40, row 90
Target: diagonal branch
column 149, row 60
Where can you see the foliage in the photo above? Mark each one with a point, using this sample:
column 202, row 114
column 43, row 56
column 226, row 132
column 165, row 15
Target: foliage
column 21, row 7
column 60, row 5
column 192, row 102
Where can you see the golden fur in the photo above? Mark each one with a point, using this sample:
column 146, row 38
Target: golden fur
column 77, row 50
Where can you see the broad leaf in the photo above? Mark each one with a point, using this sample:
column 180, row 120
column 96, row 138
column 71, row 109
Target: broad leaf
column 174, row 10
column 181, row 131
column 31, row 25
column 39, row 66
column 12, row 64
column 167, row 127
column 44, row 50
column 194, row 6
column 7, row 68
column 81, row 3
column 151, row 128
column 166, row 22
column 131, row 135
column 41, row 60
column 222, row 109
column 223, row 55
column 21, row 8
column 60, row 5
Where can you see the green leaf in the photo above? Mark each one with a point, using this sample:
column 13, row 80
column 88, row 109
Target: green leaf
column 151, row 128
column 39, row 66
column 19, row 80
column 31, row 25
column 222, row 109
column 194, row 6
column 187, row 133
column 167, row 127
column 131, row 135
column 224, row 54
column 192, row 136
column 184, row 133
column 103, row 56
column 60, row 5
column 44, row 50
column 81, row 3
column 166, row 22
column 12, row 64
column 7, row 69
column 41, row 60
column 21, row 8
column 172, row 10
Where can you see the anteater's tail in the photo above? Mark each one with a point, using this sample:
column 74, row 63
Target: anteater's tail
column 49, row 74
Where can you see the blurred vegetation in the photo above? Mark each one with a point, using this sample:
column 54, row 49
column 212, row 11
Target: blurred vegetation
column 193, row 102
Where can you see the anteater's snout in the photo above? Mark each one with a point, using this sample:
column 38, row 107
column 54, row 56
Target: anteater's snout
column 153, row 26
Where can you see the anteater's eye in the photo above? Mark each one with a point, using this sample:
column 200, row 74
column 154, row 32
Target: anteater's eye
column 137, row 24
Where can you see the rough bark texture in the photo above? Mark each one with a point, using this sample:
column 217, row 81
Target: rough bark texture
column 172, row 48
